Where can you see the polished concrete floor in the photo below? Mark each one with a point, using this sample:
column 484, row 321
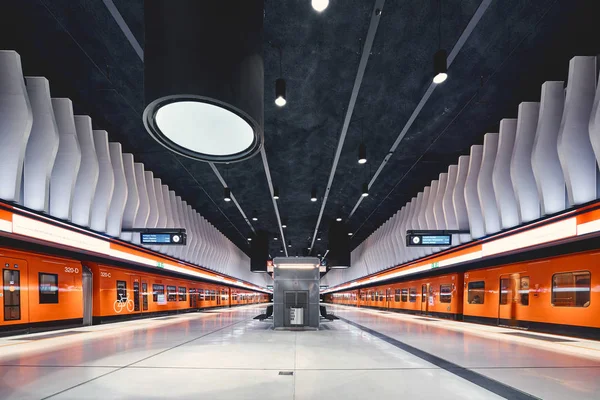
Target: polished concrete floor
column 228, row 355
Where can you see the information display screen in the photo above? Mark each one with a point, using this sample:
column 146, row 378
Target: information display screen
column 428, row 239
column 162, row 238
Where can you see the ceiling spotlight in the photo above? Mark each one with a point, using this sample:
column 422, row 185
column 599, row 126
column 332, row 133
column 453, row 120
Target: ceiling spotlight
column 281, row 250
column 276, row 193
column 289, row 243
column 319, row 5
column 319, row 238
column 319, row 255
column 362, row 154
column 313, row 195
column 254, row 217
column 280, row 92
column 227, row 194
column 275, row 238
column 349, row 233
column 365, row 189
column 249, row 239
column 339, row 219
column 440, row 66
column 284, row 223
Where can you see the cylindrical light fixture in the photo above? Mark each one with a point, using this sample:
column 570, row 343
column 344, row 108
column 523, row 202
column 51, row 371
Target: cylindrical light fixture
column 362, row 153
column 440, row 66
column 289, row 243
column 276, row 193
column 204, row 77
column 254, row 216
column 275, row 238
column 313, row 195
column 319, row 5
column 249, row 239
column 284, row 223
column 339, row 218
column 227, row 194
column 365, row 189
column 280, row 98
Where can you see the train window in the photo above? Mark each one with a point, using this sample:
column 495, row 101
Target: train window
column 201, row 294
column 476, row 292
column 504, row 287
column 381, row 298
column 136, row 296
column 397, row 295
column 171, row 293
column 144, row 296
column 213, row 295
column 571, row 289
column 121, row 290
column 412, row 297
column 48, row 288
column 182, row 294
column 524, row 291
column 158, row 290
column 404, row 295
column 446, row 293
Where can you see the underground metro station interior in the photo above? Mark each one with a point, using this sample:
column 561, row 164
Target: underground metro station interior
column 299, row 199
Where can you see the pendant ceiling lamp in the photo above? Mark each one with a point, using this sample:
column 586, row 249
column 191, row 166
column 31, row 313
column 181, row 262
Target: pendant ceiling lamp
column 204, row 77
column 440, row 59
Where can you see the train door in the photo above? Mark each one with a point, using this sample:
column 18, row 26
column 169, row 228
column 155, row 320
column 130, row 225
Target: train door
column 425, row 298
column 144, row 295
column 135, row 284
column 388, row 297
column 508, row 299
column 193, row 298
column 14, row 301
column 218, row 293
column 88, row 293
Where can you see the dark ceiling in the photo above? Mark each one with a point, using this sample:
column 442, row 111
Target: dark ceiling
column 515, row 47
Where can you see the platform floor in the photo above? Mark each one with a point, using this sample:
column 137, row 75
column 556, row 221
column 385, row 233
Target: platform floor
column 227, row 355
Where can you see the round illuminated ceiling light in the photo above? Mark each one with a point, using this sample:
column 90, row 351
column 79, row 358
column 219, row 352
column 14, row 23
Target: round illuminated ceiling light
column 205, row 97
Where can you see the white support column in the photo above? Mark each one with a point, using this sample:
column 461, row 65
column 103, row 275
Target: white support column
column 16, row 119
column 503, row 187
column 574, row 147
column 545, row 161
column 68, row 160
column 119, row 198
column 458, row 199
column 448, row 204
column 476, row 224
column 133, row 197
column 106, row 183
column 42, row 146
column 438, row 209
column 485, row 188
column 89, row 170
column 521, row 167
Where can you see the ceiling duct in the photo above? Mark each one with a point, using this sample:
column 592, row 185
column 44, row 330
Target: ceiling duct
column 204, row 77
column 339, row 246
column 259, row 252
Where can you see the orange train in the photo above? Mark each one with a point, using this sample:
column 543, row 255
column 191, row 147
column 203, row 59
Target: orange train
column 41, row 291
column 557, row 295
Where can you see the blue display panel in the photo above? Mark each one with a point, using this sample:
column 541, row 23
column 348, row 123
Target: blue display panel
column 428, row 239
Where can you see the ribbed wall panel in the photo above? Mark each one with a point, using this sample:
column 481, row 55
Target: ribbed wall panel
column 119, row 198
column 133, row 198
column 106, row 183
column 89, row 171
column 485, row 187
column 503, row 187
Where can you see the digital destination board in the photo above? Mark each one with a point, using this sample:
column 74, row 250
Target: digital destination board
column 427, row 239
column 166, row 238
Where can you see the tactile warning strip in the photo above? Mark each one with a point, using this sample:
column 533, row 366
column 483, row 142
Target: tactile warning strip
column 539, row 337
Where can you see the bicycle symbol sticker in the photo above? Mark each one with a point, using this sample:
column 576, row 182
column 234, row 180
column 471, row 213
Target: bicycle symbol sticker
column 122, row 303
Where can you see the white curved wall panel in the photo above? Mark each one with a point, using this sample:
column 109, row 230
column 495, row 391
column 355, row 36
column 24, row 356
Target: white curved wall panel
column 133, row 197
column 430, row 214
column 119, row 197
column 521, row 166
column 161, row 221
column 438, row 208
column 143, row 212
column 458, row 199
column 594, row 125
column 185, row 250
column 16, row 119
column 180, row 250
column 545, row 161
column 89, row 170
column 485, row 187
column 152, row 200
column 574, row 147
column 476, row 223
column 106, row 183
column 447, row 204
column 402, row 234
column 423, row 215
column 169, row 223
column 411, row 206
column 41, row 147
column 68, row 160
column 421, row 251
column 503, row 187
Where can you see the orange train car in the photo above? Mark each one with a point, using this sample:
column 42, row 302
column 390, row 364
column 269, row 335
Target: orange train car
column 557, row 295
column 41, row 291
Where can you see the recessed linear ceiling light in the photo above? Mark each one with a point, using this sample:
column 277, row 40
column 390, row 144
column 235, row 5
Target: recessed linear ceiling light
column 227, row 194
column 313, row 195
column 319, row 5
column 190, row 108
